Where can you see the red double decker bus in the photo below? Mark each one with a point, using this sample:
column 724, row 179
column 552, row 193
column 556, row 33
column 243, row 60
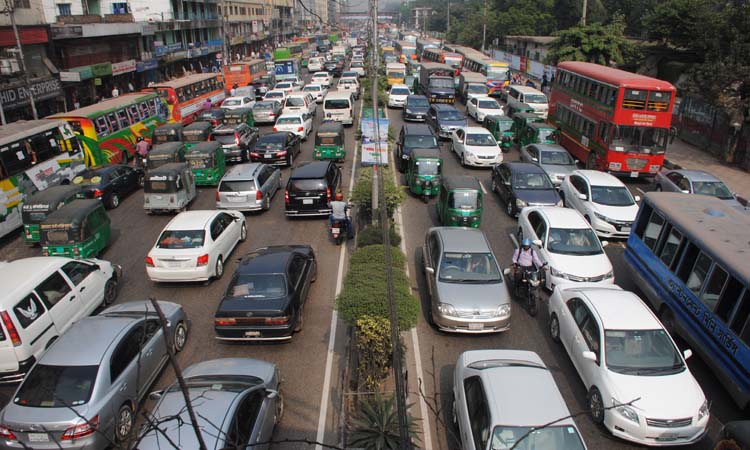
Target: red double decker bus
column 615, row 121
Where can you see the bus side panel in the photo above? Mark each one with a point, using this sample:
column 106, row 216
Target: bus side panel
column 11, row 198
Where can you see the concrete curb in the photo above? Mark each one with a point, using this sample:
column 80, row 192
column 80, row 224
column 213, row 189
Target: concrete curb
column 674, row 166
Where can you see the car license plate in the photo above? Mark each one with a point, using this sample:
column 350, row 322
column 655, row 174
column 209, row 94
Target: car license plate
column 633, row 174
column 625, row 229
column 476, row 326
column 159, row 197
column 38, row 437
column 307, row 201
column 252, row 333
column 173, row 264
column 237, row 199
column 335, row 230
column 668, row 437
column 267, row 156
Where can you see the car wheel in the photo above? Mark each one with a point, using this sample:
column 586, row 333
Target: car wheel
column 110, row 292
column 266, row 203
column 554, row 328
column 279, row 409
column 300, row 322
column 243, row 233
column 290, row 159
column 180, row 336
column 596, row 406
column 658, row 188
column 219, row 268
column 124, row 423
column 114, row 200
column 141, row 181
column 463, row 160
column 509, row 208
column 494, row 185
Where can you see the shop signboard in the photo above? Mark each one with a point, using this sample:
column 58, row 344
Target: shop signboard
column 122, row 67
column 18, row 96
column 142, row 66
column 101, row 70
column 70, row 77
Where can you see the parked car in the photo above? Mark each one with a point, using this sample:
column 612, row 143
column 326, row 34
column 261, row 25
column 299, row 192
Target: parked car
column 415, row 108
column 444, row 118
column 397, row 95
column 567, row 243
column 195, row 245
column 322, row 78
column 248, row 187
column 267, row 111
column 603, row 200
column 466, row 287
column 509, row 398
column 413, row 136
column 481, row 107
column 245, row 409
column 552, row 158
column 109, row 183
column 279, row 148
column 639, row 385
column 238, row 102
column 85, row 399
column 266, row 298
column 476, row 146
column 695, row 182
column 236, row 140
column 297, row 123
column 310, row 188
column 522, row 184
column 316, row 90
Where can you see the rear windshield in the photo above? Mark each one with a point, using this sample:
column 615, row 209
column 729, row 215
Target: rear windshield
column 257, row 286
column 30, row 217
column 57, row 386
column 237, row 186
column 289, row 121
column 181, row 239
column 295, row 101
column 159, row 186
column 224, row 138
column 400, row 91
column 264, row 106
column 450, row 115
column 269, row 145
column 307, row 185
column 57, row 236
column 337, row 104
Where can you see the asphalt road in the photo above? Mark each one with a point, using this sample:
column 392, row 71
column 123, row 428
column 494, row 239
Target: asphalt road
column 439, row 350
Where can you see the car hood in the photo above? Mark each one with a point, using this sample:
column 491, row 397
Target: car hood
column 418, row 109
column 53, row 419
column 555, row 169
column 540, row 196
column 676, row 396
column 452, row 123
column 483, row 150
column 481, row 297
column 581, row 265
column 490, row 112
column 233, row 306
column 622, row 213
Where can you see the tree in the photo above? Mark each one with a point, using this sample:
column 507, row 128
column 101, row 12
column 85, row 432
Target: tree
column 596, row 43
column 525, row 18
column 693, row 25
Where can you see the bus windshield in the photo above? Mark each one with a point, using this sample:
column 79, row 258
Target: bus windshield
column 640, row 139
column 497, row 73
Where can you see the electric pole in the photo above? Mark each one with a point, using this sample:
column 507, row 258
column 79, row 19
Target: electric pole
column 583, row 13
column 484, row 26
column 10, row 8
column 448, row 22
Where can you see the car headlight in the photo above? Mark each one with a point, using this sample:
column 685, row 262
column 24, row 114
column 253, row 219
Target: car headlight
column 601, row 217
column 625, row 411
column 503, row 310
column 520, row 203
column 609, row 274
column 418, row 181
column 409, row 111
column 557, row 273
column 703, row 412
column 444, row 128
column 560, row 204
column 447, row 309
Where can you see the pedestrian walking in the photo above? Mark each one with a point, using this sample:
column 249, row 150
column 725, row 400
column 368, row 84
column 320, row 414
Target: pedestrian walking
column 115, row 92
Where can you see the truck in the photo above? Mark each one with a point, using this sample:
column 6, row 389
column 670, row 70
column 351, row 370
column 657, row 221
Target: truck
column 286, row 66
column 471, row 83
column 436, row 82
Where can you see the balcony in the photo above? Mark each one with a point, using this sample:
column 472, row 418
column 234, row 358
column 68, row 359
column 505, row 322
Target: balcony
column 118, row 18
column 80, row 20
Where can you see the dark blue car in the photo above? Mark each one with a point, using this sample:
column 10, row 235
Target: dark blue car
column 521, row 184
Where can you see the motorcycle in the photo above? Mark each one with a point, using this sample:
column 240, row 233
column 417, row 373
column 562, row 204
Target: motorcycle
column 339, row 231
column 527, row 288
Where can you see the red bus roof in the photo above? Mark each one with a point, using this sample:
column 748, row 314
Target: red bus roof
column 614, row 76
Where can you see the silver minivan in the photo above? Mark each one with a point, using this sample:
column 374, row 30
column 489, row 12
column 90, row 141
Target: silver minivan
column 248, row 187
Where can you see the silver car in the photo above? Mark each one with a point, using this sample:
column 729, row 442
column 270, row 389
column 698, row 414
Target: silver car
column 266, row 111
column 81, row 394
column 466, row 286
column 248, row 187
column 553, row 159
column 240, row 404
column 695, row 182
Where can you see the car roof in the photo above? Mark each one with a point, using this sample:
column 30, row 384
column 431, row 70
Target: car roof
column 523, row 167
column 418, row 129
column 273, row 259
column 311, row 169
column 617, row 308
column 561, row 217
column 189, row 220
column 443, row 107
column 597, row 178
column 94, row 333
column 461, row 182
column 550, row 148
column 241, row 171
column 697, row 175
column 461, row 239
column 476, row 130
column 15, row 279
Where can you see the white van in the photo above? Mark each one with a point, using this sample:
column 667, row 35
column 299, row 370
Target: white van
column 339, row 106
column 532, row 97
column 42, row 297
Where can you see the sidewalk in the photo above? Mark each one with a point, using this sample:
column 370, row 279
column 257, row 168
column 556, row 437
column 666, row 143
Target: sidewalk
column 686, row 156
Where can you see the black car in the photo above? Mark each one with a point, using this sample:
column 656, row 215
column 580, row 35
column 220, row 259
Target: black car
column 236, row 140
column 521, row 184
column 444, row 119
column 311, row 187
column 214, row 115
column 277, row 148
column 413, row 136
column 109, row 183
column 265, row 300
column 415, row 108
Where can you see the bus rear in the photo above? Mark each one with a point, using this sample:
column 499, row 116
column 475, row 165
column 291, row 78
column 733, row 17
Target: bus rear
column 237, row 74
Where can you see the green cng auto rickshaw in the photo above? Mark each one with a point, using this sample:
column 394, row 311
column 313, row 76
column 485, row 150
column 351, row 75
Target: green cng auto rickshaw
column 501, row 129
column 239, row 115
column 79, row 229
column 206, row 160
column 329, row 141
column 424, row 172
column 459, row 202
column 171, row 132
column 165, row 154
column 515, row 107
column 537, row 133
column 169, row 188
column 196, row 132
column 37, row 207
column 520, row 121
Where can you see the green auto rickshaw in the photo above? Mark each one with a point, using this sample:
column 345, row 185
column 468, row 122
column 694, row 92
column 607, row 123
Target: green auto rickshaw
column 424, row 172
column 460, row 202
column 514, row 107
column 520, row 121
column 37, row 207
column 196, row 132
column 171, row 132
column 537, row 133
column 239, row 115
column 329, row 141
column 206, row 160
column 80, row 229
column 501, row 129
column 165, row 154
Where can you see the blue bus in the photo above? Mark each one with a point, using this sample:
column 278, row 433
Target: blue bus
column 690, row 254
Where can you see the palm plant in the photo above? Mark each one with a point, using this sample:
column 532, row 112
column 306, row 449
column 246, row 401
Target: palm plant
column 375, row 427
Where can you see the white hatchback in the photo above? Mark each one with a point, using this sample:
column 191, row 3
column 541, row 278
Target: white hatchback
column 475, row 146
column 638, row 383
column 397, row 95
column 481, row 107
column 322, row 78
column 297, row 123
column 238, row 102
column 195, row 245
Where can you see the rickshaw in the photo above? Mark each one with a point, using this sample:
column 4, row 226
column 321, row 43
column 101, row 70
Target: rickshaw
column 170, row 132
column 165, row 154
column 514, row 107
column 460, row 202
column 520, row 121
column 206, row 160
column 239, row 115
column 168, row 188
column 196, row 132
column 329, row 141
column 537, row 133
column 37, row 207
column 501, row 129
column 80, row 230
column 424, row 172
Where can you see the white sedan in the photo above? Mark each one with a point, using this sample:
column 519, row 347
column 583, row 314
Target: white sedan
column 397, row 95
column 275, row 94
column 322, row 78
column 349, row 84
column 603, row 200
column 316, row 90
column 639, row 386
column 238, row 102
column 481, row 107
column 475, row 146
column 286, row 86
column 195, row 245
column 297, row 123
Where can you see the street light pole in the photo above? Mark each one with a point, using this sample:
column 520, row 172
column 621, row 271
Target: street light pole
column 583, row 13
column 11, row 9
column 484, row 26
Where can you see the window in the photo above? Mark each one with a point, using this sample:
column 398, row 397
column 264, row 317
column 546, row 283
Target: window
column 698, row 274
column 479, row 416
column 28, row 310
column 577, row 310
column 653, row 230
column 126, row 351
column 244, row 420
column 102, row 128
column 671, row 246
column 22, row 4
column 53, row 289
column 119, row 8
column 123, row 117
column 716, row 282
column 296, row 268
column 729, row 299
column 63, row 9
column 216, row 228
column 634, row 99
column 686, row 261
column 113, row 124
column 590, row 332
column 78, row 271
column 742, row 317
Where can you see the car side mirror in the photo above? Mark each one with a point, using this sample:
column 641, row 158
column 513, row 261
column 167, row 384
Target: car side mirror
column 429, row 270
column 507, row 271
column 687, row 353
column 537, row 242
column 605, row 243
column 582, row 196
column 270, row 393
column 637, row 198
column 591, row 356
column 156, row 395
column 685, row 191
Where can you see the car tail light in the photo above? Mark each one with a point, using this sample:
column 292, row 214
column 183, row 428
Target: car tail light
column 98, row 193
column 5, row 433
column 277, row 320
column 76, row 251
column 223, row 321
column 281, row 153
column 275, row 130
column 82, row 430
column 203, row 260
column 271, row 114
column 286, row 196
column 149, row 261
column 254, row 155
column 236, row 139
column 258, row 195
column 300, row 129
column 328, row 193
column 217, row 196
column 12, row 332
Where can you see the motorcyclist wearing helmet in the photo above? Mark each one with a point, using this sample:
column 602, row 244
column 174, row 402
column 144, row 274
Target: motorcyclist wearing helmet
column 525, row 258
column 339, row 211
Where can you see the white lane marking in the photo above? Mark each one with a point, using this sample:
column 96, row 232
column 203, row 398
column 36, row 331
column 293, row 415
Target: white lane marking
column 514, row 239
column 640, row 190
column 484, row 191
column 326, row 394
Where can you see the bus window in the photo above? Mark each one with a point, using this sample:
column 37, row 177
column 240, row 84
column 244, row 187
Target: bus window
column 75, row 125
column 181, row 94
column 669, row 253
column 102, row 128
column 15, row 159
column 143, row 106
column 152, row 107
column 123, row 118
column 653, row 230
column 715, row 285
column 728, row 300
column 134, row 115
column 742, row 317
column 113, row 124
column 698, row 274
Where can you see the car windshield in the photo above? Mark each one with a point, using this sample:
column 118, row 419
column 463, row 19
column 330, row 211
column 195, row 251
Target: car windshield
column 295, row 101
column 289, row 121
column 275, row 144
column 481, row 140
column 224, row 138
column 535, row 98
column 418, row 102
column 564, row 437
column 641, row 352
column 464, row 200
column 489, row 104
column 477, row 89
column 712, row 188
column 451, row 115
column 573, row 241
column 611, row 195
column 428, row 167
column 420, row 142
column 57, row 386
column 557, row 158
column 275, row 95
column 181, row 239
column 232, row 102
column 469, row 267
column 531, row 181
column 400, row 91
column 312, row 89
column 257, row 286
